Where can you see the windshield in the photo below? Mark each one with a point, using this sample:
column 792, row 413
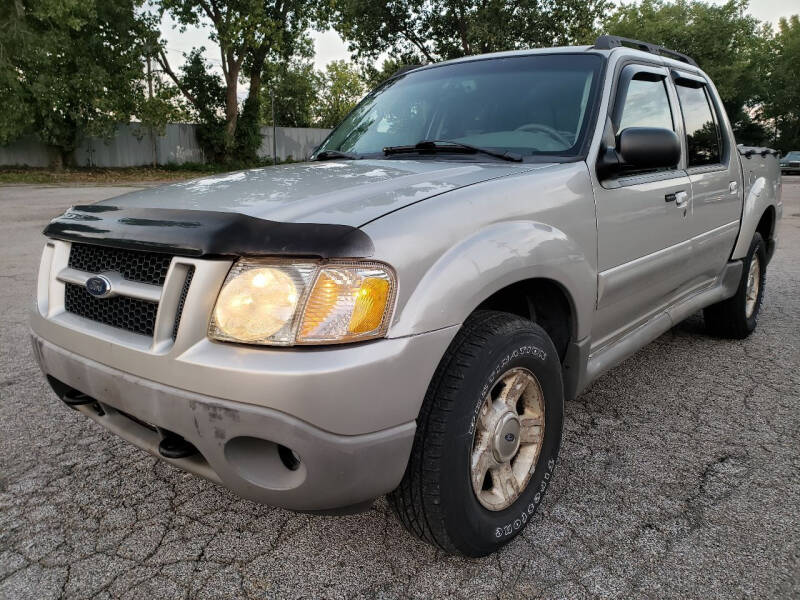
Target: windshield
column 792, row 156
column 529, row 105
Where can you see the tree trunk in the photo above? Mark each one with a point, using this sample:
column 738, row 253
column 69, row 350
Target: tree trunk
column 154, row 146
column 231, row 106
column 58, row 160
column 231, row 112
column 59, row 157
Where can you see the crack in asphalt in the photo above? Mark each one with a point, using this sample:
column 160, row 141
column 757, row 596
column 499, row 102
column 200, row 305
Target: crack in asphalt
column 679, row 477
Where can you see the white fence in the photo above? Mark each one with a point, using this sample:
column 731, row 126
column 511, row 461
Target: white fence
column 132, row 146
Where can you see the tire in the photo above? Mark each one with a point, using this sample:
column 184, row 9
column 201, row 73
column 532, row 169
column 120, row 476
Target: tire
column 494, row 354
column 731, row 318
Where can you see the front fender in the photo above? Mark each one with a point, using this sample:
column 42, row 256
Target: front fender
column 454, row 251
column 494, row 257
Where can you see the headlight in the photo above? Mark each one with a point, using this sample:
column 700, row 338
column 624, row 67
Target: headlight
column 284, row 303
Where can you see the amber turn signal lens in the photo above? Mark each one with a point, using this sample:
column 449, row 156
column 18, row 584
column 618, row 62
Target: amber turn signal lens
column 371, row 300
column 346, row 304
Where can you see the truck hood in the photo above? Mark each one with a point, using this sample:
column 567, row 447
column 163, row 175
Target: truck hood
column 351, row 192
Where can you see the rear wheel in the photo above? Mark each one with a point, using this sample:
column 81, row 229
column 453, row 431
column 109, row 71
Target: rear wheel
column 487, row 437
column 737, row 317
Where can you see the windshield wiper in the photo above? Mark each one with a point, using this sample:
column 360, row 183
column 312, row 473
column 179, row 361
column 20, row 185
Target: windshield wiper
column 332, row 154
column 448, row 146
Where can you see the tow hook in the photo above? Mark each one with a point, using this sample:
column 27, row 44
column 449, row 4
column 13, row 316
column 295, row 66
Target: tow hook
column 174, row 446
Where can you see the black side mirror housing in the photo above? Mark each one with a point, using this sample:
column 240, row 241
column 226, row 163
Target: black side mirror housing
column 648, row 147
column 638, row 148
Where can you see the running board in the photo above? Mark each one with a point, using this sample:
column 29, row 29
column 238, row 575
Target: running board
column 616, row 353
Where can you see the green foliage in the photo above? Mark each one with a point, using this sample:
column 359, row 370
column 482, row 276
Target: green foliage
column 163, row 107
column 420, row 31
column 248, row 131
column 373, row 76
column 249, row 32
column 68, row 68
column 295, row 85
column 199, row 82
column 782, row 95
column 340, row 89
column 308, row 98
column 729, row 45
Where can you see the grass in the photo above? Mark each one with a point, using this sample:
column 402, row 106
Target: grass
column 106, row 176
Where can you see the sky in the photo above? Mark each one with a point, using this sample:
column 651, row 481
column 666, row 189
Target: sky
column 329, row 46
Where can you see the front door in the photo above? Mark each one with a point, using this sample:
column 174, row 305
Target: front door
column 643, row 246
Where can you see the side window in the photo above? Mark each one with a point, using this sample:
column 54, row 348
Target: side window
column 702, row 133
column 646, row 105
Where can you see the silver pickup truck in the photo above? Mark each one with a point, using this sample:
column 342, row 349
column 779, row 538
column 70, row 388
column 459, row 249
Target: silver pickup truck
column 406, row 313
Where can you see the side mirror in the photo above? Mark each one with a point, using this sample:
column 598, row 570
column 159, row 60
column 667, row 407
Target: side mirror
column 638, row 148
column 648, row 147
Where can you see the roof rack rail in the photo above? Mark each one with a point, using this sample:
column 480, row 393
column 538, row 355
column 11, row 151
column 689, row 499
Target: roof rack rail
column 607, row 42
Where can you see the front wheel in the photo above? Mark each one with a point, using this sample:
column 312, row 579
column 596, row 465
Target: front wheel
column 737, row 317
column 487, row 438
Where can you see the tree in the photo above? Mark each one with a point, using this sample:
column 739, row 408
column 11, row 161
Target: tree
column 729, row 45
column 158, row 108
column 782, row 96
column 199, row 82
column 295, row 86
column 421, row 31
column 373, row 76
column 248, row 33
column 340, row 90
column 68, row 68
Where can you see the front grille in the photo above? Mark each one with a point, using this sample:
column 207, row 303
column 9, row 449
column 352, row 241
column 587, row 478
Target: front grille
column 131, row 314
column 144, row 267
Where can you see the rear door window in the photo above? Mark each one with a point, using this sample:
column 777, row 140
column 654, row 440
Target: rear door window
column 702, row 131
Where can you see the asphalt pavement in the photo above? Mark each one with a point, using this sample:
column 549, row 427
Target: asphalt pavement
column 679, row 477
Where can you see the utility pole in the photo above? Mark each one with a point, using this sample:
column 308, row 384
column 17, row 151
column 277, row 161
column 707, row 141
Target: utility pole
column 150, row 97
column 274, row 127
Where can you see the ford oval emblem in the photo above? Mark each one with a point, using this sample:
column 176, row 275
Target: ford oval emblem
column 98, row 286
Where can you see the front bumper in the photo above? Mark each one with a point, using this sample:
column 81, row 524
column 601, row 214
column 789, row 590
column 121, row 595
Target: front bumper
column 237, row 442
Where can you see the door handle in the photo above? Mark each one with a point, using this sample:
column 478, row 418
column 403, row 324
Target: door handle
column 680, row 199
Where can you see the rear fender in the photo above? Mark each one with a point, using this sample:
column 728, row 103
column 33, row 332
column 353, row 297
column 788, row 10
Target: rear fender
column 762, row 192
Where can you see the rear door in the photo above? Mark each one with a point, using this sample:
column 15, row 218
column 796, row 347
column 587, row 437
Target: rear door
column 643, row 237
column 715, row 176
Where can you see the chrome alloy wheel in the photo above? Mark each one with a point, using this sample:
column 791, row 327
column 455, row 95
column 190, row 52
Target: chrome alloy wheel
column 753, row 286
column 508, row 438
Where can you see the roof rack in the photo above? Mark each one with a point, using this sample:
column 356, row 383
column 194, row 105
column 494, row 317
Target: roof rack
column 607, row 42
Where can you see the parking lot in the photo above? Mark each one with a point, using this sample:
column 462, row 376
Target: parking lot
column 679, row 477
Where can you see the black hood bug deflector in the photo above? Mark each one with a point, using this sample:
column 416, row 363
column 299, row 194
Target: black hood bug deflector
column 205, row 233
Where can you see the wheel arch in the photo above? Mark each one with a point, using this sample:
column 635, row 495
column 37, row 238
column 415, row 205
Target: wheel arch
column 483, row 271
column 760, row 214
column 542, row 300
column 766, row 224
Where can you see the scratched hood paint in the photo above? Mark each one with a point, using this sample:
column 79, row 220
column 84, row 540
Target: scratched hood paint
column 337, row 192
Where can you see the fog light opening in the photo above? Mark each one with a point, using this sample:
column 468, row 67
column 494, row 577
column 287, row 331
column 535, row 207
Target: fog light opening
column 289, row 458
